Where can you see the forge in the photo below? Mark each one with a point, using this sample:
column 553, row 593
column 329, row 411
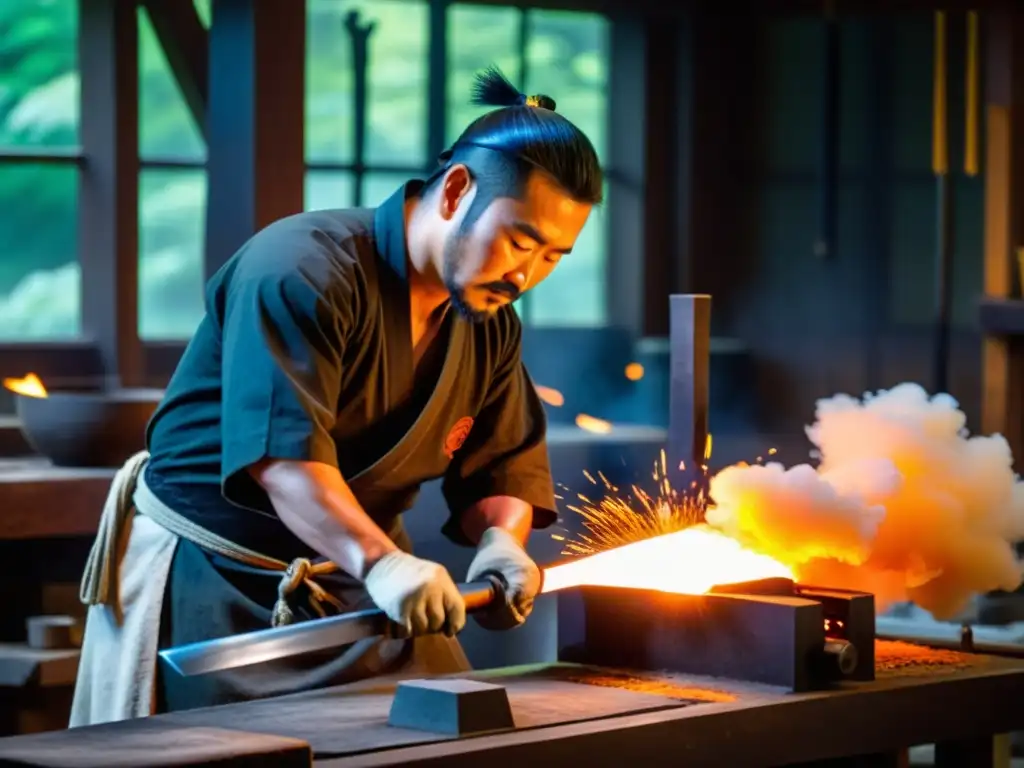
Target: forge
column 647, row 613
column 773, row 632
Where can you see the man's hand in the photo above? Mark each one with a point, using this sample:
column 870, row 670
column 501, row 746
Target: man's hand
column 416, row 594
column 501, row 552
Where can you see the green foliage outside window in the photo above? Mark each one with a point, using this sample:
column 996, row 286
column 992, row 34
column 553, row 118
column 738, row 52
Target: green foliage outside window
column 565, row 55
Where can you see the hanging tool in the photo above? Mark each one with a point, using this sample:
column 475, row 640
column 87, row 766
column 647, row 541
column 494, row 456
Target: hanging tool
column 944, row 212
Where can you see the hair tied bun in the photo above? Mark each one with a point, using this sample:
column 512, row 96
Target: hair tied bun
column 540, row 100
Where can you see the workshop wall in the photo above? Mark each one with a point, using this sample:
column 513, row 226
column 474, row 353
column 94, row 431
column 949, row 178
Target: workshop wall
column 861, row 317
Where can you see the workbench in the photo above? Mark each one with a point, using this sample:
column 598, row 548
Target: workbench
column 569, row 715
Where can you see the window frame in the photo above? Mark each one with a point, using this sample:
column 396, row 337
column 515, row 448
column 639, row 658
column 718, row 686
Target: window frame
column 110, row 349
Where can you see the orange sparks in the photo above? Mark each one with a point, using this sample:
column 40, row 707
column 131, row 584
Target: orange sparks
column 634, row 371
column 550, row 396
column 30, row 386
column 619, row 519
column 592, row 424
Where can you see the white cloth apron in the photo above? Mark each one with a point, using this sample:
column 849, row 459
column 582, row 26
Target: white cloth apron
column 117, row 670
column 124, row 584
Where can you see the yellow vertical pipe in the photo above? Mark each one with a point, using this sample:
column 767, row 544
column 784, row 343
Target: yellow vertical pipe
column 971, row 87
column 940, row 141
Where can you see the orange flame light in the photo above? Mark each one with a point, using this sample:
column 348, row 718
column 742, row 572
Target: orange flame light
column 30, row 386
column 550, row 396
column 658, row 541
column 634, row 371
column 688, row 562
column 592, row 424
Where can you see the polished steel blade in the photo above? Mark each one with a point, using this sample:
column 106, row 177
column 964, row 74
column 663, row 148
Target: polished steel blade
column 265, row 645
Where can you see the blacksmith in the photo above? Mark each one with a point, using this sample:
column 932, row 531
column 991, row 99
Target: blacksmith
column 345, row 358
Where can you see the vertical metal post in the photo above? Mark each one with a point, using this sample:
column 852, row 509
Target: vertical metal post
column 359, row 34
column 944, row 211
column 689, row 365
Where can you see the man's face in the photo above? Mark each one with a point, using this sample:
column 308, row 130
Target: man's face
column 512, row 247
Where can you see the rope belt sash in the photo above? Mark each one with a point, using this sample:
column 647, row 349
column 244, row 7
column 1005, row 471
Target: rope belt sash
column 129, row 492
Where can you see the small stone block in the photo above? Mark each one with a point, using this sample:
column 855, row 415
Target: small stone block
column 452, row 707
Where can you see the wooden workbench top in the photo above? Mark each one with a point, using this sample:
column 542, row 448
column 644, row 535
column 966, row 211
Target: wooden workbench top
column 40, row 501
column 569, row 715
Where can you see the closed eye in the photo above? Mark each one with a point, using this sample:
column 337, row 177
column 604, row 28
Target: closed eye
column 519, row 246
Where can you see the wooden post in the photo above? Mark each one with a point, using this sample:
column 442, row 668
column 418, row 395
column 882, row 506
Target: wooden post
column 108, row 231
column 254, row 120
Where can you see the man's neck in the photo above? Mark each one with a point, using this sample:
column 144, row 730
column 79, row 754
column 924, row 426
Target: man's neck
column 426, row 289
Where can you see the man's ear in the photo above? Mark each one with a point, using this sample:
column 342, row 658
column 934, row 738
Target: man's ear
column 455, row 186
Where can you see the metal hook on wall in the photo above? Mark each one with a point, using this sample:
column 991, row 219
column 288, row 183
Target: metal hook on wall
column 359, row 36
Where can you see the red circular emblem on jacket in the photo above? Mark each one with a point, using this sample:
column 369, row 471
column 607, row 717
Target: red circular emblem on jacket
column 457, row 436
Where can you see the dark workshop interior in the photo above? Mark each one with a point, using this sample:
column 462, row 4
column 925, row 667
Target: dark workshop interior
column 844, row 180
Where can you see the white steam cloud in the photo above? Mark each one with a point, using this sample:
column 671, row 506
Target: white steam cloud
column 903, row 503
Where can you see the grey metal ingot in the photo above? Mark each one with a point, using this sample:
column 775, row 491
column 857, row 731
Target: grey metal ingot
column 689, row 363
column 453, row 707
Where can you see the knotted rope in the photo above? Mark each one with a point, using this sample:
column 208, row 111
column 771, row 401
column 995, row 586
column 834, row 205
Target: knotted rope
column 128, row 493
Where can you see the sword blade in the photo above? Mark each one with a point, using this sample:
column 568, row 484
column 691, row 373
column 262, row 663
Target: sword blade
column 266, row 645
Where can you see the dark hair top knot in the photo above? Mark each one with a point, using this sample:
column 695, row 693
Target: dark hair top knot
column 493, row 89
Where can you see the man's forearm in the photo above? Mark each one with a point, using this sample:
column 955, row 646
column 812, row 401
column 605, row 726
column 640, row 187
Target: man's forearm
column 512, row 514
column 317, row 505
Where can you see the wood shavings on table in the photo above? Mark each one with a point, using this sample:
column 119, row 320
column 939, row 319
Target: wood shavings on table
column 649, row 685
column 910, row 658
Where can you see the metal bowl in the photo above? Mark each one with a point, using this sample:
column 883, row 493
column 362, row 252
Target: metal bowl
column 87, row 428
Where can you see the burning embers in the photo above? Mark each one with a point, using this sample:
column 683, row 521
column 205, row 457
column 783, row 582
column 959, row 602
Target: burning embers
column 770, row 631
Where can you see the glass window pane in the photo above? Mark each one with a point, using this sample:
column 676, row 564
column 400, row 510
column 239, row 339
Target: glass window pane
column 166, row 127
column 478, row 36
column 39, row 276
column 39, row 74
column 328, row 189
column 567, row 58
column 378, row 187
column 172, row 218
column 397, row 81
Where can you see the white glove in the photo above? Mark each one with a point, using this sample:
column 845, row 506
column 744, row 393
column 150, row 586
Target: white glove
column 499, row 551
column 416, row 594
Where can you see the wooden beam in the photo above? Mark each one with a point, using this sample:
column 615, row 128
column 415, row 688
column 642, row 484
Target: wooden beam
column 626, row 132
column 108, row 231
column 1003, row 356
column 255, row 121
column 186, row 45
column 437, row 82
